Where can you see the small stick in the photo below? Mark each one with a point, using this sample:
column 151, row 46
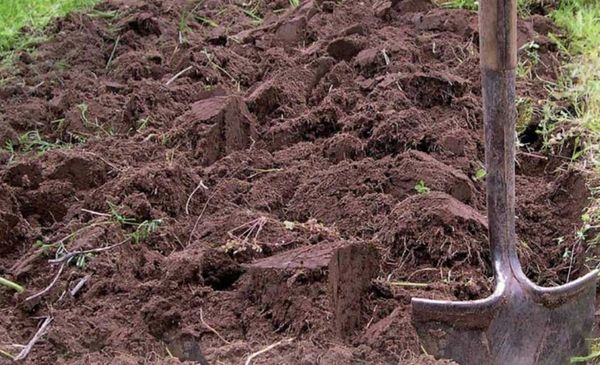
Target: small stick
column 409, row 284
column 112, row 54
column 372, row 318
column 215, row 65
column 535, row 155
column 420, row 271
column 571, row 259
column 263, row 171
column 95, row 213
column 169, row 352
column 80, row 285
column 41, row 332
column 178, row 74
column 105, row 161
column 268, row 348
column 189, row 199
column 212, row 329
column 12, row 285
column 47, row 289
column 200, row 216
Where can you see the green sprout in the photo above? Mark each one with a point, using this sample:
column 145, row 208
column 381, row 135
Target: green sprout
column 421, row 188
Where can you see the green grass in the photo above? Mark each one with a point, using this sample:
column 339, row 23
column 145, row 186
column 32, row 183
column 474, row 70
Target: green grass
column 33, row 14
column 523, row 6
column 579, row 86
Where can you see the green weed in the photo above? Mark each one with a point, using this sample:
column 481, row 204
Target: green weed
column 253, row 14
column 524, row 113
column 532, row 58
column 33, row 141
column 421, row 188
column 45, row 247
column 182, row 25
column 83, row 110
column 206, row 21
column 142, row 124
column 141, row 230
column 480, row 174
column 144, row 230
column 119, row 217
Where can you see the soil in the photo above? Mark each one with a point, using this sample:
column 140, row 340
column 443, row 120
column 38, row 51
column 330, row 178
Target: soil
column 281, row 159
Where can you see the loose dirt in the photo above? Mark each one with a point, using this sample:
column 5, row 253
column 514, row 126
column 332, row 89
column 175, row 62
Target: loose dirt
column 281, row 159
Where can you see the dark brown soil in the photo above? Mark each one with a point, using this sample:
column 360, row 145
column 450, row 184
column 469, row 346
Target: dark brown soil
column 282, row 163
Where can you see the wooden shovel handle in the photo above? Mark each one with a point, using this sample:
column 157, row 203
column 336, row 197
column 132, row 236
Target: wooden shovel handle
column 498, row 53
column 498, row 34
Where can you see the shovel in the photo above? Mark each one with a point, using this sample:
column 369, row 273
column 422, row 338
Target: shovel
column 521, row 323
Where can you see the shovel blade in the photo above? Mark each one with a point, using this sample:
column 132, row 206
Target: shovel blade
column 520, row 324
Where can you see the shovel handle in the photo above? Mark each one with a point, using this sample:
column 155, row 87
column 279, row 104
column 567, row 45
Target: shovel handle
column 498, row 34
column 498, row 55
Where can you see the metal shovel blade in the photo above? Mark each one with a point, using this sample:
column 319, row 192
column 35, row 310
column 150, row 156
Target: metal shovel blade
column 520, row 323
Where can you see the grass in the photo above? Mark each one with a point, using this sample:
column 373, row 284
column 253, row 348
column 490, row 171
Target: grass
column 579, row 122
column 252, row 13
column 33, row 14
column 523, row 6
column 141, row 230
column 31, row 141
column 580, row 84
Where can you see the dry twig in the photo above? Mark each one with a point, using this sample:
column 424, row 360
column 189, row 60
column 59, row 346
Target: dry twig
column 268, row 348
column 189, row 199
column 41, row 332
column 80, row 285
column 212, row 329
column 177, row 75
column 47, row 289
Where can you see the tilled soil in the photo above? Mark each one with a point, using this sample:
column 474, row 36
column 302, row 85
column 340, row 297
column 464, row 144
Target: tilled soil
column 299, row 168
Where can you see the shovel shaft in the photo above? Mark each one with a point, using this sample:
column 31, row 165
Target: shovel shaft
column 498, row 49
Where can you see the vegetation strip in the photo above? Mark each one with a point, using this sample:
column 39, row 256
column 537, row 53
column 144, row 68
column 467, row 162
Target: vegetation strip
column 34, row 15
column 580, row 87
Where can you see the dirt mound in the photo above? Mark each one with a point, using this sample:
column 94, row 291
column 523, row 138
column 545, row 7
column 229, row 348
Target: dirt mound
column 214, row 178
column 436, row 229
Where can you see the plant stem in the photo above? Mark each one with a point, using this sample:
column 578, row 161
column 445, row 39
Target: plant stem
column 12, row 285
column 409, row 284
column 7, row 355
